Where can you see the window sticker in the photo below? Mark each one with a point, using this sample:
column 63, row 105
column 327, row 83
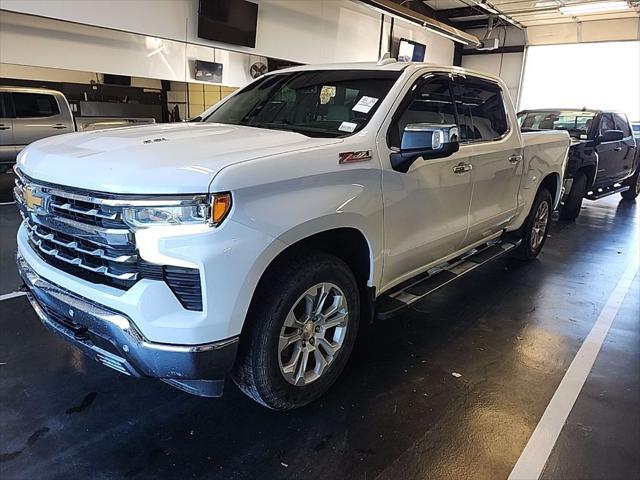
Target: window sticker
column 347, row 127
column 365, row 104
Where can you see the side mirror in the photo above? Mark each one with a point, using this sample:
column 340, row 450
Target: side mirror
column 611, row 136
column 426, row 140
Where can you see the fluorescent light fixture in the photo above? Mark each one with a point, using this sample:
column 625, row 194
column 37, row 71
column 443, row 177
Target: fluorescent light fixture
column 594, row 7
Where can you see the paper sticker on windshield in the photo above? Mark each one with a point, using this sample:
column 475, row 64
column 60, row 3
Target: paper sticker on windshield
column 365, row 104
column 347, row 127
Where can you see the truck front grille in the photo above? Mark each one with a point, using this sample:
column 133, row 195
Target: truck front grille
column 81, row 234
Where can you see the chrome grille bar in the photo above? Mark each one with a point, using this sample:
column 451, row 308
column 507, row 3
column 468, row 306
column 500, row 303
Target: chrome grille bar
column 78, row 262
column 91, row 212
column 75, row 245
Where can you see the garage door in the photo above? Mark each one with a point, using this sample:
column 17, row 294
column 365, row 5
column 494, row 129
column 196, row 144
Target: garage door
column 594, row 75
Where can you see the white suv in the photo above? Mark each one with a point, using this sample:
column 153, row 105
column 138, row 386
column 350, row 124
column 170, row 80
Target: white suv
column 257, row 240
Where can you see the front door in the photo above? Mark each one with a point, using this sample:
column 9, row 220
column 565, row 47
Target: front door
column 38, row 115
column 7, row 143
column 497, row 155
column 426, row 208
column 610, row 154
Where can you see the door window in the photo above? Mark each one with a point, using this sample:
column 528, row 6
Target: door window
column 29, row 105
column 3, row 110
column 606, row 123
column 431, row 103
column 480, row 109
column 622, row 124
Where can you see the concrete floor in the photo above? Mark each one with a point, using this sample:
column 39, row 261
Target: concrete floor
column 397, row 412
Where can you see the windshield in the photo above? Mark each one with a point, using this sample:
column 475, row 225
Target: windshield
column 327, row 103
column 576, row 123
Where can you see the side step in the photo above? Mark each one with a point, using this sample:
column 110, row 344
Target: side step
column 409, row 292
column 602, row 192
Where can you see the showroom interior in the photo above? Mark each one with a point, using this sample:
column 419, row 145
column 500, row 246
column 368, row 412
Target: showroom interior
column 152, row 192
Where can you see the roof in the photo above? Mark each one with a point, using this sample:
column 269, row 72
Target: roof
column 9, row 88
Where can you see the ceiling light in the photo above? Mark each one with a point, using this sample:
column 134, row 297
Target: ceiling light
column 594, row 7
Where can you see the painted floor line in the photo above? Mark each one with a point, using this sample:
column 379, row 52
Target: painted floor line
column 7, row 296
column 536, row 453
column 7, row 203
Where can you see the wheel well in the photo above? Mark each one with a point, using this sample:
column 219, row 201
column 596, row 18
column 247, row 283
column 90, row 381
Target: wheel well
column 350, row 246
column 550, row 182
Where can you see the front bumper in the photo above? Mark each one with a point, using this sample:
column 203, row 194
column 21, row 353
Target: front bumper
column 111, row 338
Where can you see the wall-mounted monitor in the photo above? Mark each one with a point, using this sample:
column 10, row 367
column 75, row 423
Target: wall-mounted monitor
column 228, row 21
column 410, row 51
column 208, row 71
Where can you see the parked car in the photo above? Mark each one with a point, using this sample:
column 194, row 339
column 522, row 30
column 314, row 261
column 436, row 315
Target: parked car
column 635, row 126
column 603, row 158
column 256, row 241
column 29, row 114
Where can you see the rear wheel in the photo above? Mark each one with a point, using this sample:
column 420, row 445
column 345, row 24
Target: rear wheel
column 303, row 324
column 573, row 203
column 634, row 186
column 535, row 228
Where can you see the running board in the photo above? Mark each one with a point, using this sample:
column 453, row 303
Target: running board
column 414, row 289
column 605, row 192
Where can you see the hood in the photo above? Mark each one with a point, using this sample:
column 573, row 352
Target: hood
column 155, row 159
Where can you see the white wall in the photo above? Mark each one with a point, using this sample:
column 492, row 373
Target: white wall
column 507, row 66
column 305, row 31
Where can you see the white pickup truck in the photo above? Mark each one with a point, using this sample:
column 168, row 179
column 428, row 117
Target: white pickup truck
column 256, row 241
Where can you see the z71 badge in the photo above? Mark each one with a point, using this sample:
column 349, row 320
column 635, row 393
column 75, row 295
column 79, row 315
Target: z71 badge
column 351, row 157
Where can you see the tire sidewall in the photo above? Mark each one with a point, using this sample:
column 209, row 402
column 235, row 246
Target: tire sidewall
column 543, row 195
column 276, row 386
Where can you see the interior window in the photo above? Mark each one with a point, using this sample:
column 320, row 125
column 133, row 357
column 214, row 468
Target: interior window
column 431, row 103
column 606, row 123
column 480, row 110
column 29, row 105
column 622, row 124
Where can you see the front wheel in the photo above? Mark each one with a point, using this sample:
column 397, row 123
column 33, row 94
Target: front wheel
column 573, row 203
column 302, row 327
column 634, row 186
column 536, row 226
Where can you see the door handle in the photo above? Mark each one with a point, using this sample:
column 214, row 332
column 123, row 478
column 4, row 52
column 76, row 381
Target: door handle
column 58, row 126
column 617, row 149
column 462, row 168
column 4, row 127
column 515, row 158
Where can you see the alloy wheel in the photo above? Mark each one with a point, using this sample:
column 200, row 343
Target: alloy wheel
column 313, row 333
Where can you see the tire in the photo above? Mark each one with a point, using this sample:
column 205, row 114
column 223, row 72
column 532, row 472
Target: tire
column 533, row 233
column 634, row 186
column 572, row 205
column 263, row 370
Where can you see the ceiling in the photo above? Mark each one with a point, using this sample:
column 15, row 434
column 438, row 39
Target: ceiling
column 468, row 14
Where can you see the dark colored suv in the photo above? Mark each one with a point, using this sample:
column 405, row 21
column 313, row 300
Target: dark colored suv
column 603, row 157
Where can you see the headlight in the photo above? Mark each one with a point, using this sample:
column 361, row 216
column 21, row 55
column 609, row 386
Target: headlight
column 211, row 209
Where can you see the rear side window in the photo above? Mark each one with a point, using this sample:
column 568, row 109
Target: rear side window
column 29, row 105
column 622, row 124
column 430, row 103
column 481, row 110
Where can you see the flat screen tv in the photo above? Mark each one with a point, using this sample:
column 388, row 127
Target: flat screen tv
column 410, row 51
column 228, row 21
column 208, row 71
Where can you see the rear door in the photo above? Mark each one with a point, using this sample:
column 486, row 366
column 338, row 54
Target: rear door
column 485, row 126
column 627, row 146
column 7, row 143
column 38, row 115
column 610, row 154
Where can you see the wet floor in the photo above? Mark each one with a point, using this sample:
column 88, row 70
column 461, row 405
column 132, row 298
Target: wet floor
column 509, row 330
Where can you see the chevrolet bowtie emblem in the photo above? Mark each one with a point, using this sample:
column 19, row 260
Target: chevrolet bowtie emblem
column 31, row 200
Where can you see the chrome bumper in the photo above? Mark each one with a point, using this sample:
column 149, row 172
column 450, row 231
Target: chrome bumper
column 112, row 339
